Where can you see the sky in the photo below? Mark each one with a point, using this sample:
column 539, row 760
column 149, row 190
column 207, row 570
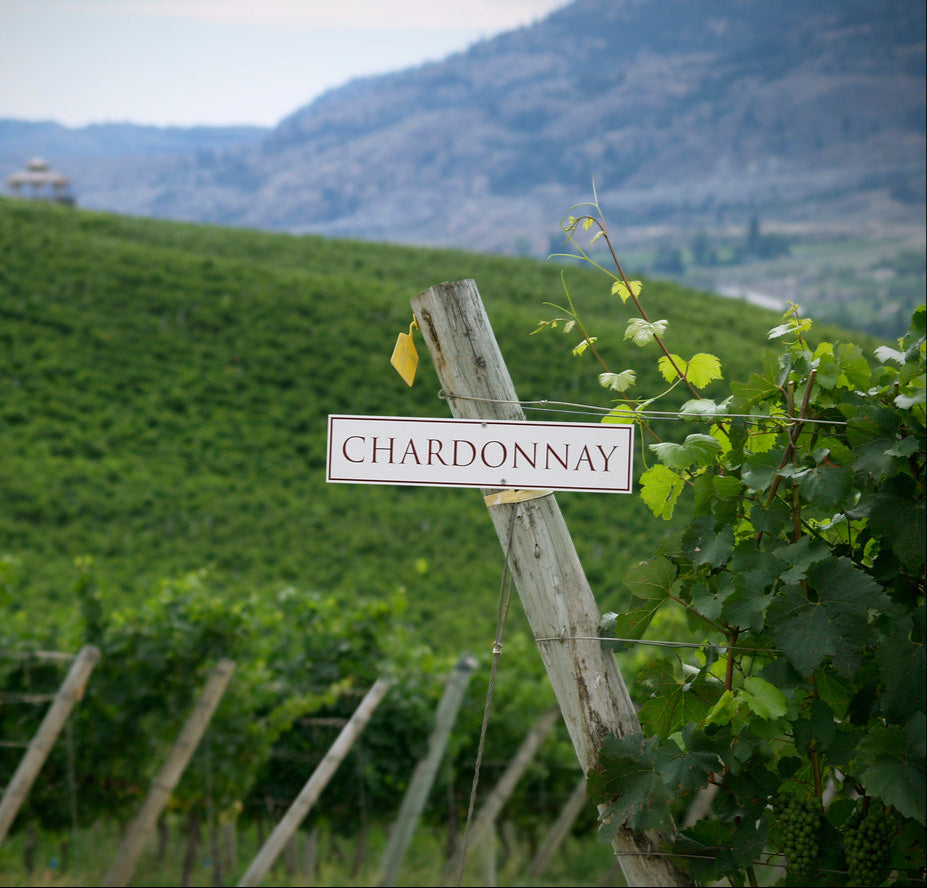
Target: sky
column 220, row 62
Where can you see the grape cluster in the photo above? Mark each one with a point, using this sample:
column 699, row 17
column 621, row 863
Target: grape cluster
column 800, row 822
column 868, row 847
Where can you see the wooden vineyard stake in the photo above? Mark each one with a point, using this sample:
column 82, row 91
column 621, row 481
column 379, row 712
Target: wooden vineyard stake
column 489, row 812
column 560, row 830
column 549, row 577
column 314, row 786
column 71, row 690
column 423, row 777
column 141, row 828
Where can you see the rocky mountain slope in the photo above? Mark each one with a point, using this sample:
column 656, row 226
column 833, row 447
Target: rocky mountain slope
column 683, row 113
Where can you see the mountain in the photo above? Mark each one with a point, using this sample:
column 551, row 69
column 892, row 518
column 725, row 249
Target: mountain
column 682, row 113
column 113, row 164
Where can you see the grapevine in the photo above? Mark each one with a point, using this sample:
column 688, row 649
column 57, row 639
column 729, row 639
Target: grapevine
column 799, row 575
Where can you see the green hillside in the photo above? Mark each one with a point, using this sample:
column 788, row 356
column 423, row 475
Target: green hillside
column 164, row 390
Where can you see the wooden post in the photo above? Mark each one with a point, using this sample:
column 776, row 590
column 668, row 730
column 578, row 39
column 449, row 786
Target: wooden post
column 423, row 777
column 314, row 786
column 549, row 577
column 71, row 690
column 492, row 807
column 163, row 785
column 558, row 832
column 492, row 875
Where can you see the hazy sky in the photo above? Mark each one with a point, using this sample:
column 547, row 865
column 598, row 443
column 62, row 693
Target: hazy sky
column 221, row 61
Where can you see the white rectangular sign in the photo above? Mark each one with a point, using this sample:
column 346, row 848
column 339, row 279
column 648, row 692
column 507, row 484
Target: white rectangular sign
column 480, row 453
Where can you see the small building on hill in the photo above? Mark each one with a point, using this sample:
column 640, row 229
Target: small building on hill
column 41, row 182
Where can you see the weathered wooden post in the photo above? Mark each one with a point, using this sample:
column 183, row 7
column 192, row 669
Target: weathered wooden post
column 423, row 777
column 489, row 812
column 314, row 786
column 71, row 690
column 551, row 583
column 558, row 832
column 120, row 872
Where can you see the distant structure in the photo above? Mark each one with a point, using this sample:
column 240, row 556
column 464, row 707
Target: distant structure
column 41, row 183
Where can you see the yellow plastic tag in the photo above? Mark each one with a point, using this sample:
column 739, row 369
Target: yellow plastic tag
column 405, row 357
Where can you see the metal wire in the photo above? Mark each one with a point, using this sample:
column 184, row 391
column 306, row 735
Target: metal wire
column 505, row 597
column 721, row 648
column 549, row 406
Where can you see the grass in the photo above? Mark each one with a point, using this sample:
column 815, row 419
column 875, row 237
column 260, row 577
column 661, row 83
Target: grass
column 315, row 857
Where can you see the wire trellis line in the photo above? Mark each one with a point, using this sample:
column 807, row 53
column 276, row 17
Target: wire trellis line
column 37, row 655
column 680, row 415
column 17, row 697
column 720, row 648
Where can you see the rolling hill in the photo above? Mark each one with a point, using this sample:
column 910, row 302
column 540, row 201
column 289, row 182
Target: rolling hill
column 164, row 389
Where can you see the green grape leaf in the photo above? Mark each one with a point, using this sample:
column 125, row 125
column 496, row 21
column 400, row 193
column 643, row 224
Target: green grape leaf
column 918, row 321
column 793, row 325
column 815, row 726
column 762, row 441
column 619, row 289
column 707, row 545
column 696, row 450
column 903, row 667
column 827, row 486
column 660, row 489
column 683, row 703
column 634, row 623
column 829, row 373
column 667, row 370
column 753, row 568
column 727, row 711
column 622, row 415
column 890, row 763
column 885, row 354
column 726, row 486
column 900, row 520
column 699, row 370
column 871, row 432
column 627, row 782
column 652, row 580
column 916, row 394
column 702, row 369
column 854, row 366
column 685, row 770
column 618, row 382
column 642, row 332
column 830, row 621
column 834, row 691
column 759, row 469
column 582, row 346
column 757, row 388
column 799, row 558
column 703, row 407
column 762, row 698
column 905, row 447
column 709, row 602
column 710, row 850
column 746, row 607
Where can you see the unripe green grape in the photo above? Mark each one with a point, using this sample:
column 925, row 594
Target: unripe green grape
column 800, row 820
column 867, row 840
